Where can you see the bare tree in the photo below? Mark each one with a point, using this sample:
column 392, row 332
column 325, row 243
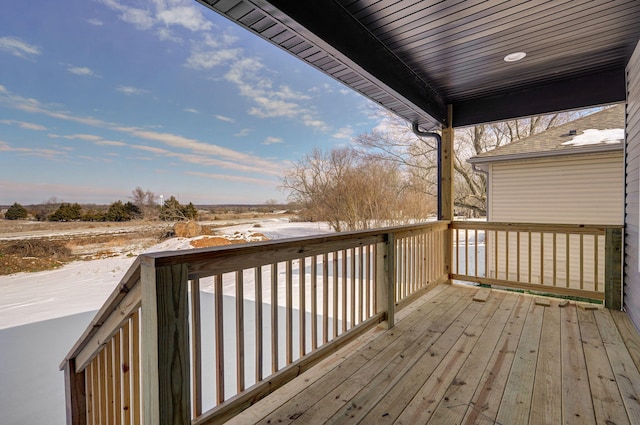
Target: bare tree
column 351, row 191
column 395, row 141
column 145, row 200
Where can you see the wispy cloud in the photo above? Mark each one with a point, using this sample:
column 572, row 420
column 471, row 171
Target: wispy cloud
column 343, row 133
column 323, row 88
column 110, row 143
column 95, row 22
column 88, row 137
column 38, row 152
column 197, row 152
column 82, row 70
column 39, row 192
column 130, row 90
column 161, row 13
column 243, row 132
column 25, row 125
column 248, row 75
column 272, row 140
column 212, row 51
column 227, row 177
column 193, row 111
column 225, row 119
column 140, row 18
column 18, row 47
column 185, row 15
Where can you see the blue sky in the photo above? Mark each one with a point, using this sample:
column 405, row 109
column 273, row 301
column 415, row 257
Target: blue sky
column 100, row 96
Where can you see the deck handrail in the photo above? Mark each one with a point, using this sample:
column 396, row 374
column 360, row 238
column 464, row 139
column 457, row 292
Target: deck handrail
column 562, row 259
column 150, row 307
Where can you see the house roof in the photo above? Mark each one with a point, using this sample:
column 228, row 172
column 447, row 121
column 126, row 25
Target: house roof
column 598, row 132
column 417, row 57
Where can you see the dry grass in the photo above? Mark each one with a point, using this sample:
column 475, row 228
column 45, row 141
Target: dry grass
column 39, row 248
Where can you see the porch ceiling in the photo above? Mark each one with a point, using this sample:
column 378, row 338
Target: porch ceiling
column 415, row 57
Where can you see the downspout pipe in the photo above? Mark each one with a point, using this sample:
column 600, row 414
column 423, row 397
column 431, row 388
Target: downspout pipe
column 416, row 130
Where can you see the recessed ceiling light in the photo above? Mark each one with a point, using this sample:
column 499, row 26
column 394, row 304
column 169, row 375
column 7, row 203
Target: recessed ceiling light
column 514, row 57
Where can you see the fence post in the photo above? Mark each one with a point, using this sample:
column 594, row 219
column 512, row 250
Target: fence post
column 613, row 269
column 165, row 344
column 75, row 394
column 385, row 279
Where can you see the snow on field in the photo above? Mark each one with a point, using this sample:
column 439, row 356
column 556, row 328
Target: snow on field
column 84, row 285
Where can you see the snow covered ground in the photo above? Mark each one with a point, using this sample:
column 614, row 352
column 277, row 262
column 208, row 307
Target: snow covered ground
column 42, row 315
column 84, row 285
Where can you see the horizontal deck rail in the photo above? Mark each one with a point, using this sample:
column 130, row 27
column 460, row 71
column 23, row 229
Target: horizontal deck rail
column 572, row 260
column 196, row 336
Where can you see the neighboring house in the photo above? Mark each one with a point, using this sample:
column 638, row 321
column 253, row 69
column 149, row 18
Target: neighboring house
column 573, row 173
column 570, row 174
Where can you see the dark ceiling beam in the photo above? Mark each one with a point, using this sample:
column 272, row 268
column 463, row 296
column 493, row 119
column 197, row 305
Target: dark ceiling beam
column 327, row 25
column 580, row 92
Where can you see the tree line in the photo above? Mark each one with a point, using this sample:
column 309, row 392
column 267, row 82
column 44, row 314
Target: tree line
column 142, row 205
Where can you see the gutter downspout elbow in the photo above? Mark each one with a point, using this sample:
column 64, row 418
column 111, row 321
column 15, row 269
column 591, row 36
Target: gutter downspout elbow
column 416, row 130
column 478, row 170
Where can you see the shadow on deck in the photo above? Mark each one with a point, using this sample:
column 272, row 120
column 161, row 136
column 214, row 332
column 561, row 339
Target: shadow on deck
column 451, row 359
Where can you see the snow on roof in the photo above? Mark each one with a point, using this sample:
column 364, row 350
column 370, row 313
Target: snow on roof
column 596, row 137
column 597, row 132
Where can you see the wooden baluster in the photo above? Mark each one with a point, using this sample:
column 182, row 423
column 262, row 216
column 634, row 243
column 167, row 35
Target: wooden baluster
column 360, row 284
column 555, row 261
column 506, row 257
column 302, row 332
column 541, row 258
column 568, row 258
column 581, row 261
column 596, row 258
column 367, row 281
column 258, row 323
column 240, row 331
column 136, row 398
column 219, row 338
column 314, row 302
column 518, row 256
column 325, row 298
column 274, row 318
column 344, row 291
column 475, row 251
column 125, row 366
column 196, row 344
column 288, row 312
column 335, row 294
column 352, row 292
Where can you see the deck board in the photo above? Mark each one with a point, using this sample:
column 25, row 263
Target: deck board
column 457, row 398
column 516, row 400
column 546, row 406
column 453, row 360
column 577, row 408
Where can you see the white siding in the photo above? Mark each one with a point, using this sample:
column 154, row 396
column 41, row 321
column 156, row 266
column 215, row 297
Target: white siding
column 632, row 215
column 576, row 189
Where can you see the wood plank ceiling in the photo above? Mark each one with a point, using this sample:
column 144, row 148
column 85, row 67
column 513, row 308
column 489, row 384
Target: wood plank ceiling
column 415, row 57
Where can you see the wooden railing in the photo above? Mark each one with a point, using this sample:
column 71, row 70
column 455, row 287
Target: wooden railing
column 197, row 336
column 573, row 260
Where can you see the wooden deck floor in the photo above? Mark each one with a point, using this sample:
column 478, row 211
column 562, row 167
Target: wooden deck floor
column 453, row 360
